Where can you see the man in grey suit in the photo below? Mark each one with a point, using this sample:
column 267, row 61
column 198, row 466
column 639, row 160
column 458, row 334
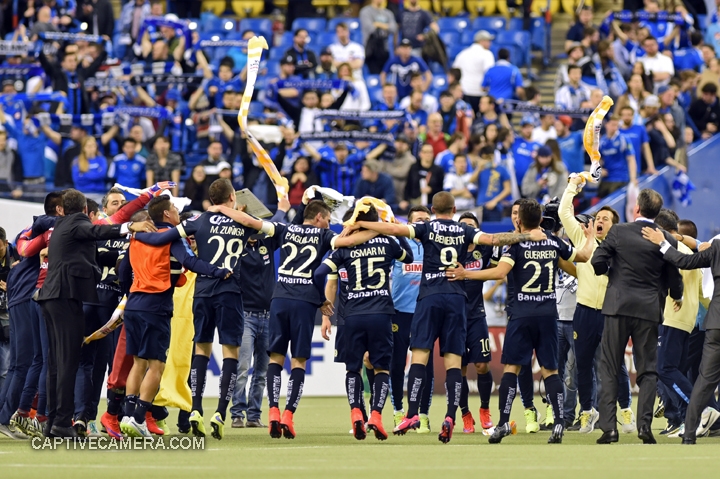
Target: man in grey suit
column 638, row 283
column 709, row 373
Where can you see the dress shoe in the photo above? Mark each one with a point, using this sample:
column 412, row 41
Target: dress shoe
column 646, row 435
column 688, row 440
column 237, row 422
column 64, row 432
column 255, row 423
column 608, row 437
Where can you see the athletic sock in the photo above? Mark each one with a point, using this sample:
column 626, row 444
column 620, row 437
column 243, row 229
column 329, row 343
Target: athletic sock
column 485, row 384
column 371, row 380
column 527, row 388
column 453, row 391
column 507, row 391
column 274, row 381
column 464, row 396
column 228, row 378
column 363, row 406
column 183, row 422
column 159, row 412
column 295, row 388
column 428, row 389
column 381, row 389
column 130, row 404
column 198, row 373
column 353, row 389
column 416, row 377
column 140, row 410
column 556, row 396
column 114, row 402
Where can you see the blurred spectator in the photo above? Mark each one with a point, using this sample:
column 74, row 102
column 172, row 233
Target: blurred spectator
column 473, row 62
column 571, row 95
column 414, row 109
column 300, row 178
column 494, row 185
column 163, row 165
column 212, row 162
column 546, row 131
column 590, row 40
column 429, row 102
column 546, row 178
column 335, row 166
column 625, row 47
column 326, row 70
column 705, row 111
column 374, row 17
column 399, row 168
column 11, row 168
column 435, row 136
column 662, row 142
column 226, row 80
column 534, row 98
column 400, row 68
column 488, row 114
column 375, row 184
column 575, row 52
column 197, row 190
column 89, row 169
column 523, row 150
column 415, row 24
column 637, row 135
column 669, row 104
column 63, row 169
column 424, row 180
column 619, row 164
column 659, row 65
column 43, row 23
column 303, row 58
column 446, row 159
column 347, row 51
column 600, row 71
column 359, row 99
column 453, row 119
column 132, row 16
column 571, row 146
column 503, row 80
column 239, row 55
column 635, row 95
column 583, row 20
column 137, row 133
column 128, row 168
column 99, row 16
column 31, row 141
column 461, row 184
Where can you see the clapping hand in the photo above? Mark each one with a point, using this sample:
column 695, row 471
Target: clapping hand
column 653, row 235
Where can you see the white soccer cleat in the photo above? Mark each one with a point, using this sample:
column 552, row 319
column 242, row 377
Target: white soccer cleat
column 588, row 420
column 708, row 418
column 628, row 421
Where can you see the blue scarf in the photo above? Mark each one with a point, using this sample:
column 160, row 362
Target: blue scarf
column 70, row 37
column 348, row 136
column 362, row 115
column 313, row 84
column 514, row 106
column 681, row 188
column 159, row 22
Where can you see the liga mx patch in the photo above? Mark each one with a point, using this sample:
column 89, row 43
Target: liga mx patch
column 395, row 328
column 263, row 250
column 477, row 254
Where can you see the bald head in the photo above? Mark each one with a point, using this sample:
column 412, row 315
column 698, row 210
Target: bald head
column 44, row 15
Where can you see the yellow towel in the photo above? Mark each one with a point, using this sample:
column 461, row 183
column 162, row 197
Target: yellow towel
column 174, row 388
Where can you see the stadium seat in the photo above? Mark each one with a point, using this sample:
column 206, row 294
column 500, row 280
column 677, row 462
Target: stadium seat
column 451, row 8
column 453, row 24
column 452, row 52
column 538, row 7
column 517, row 41
column 248, row 8
column 215, row 6
column 373, row 81
column 321, row 40
column 356, row 36
column 570, row 6
column 273, row 69
column 276, row 54
column 210, row 23
column 430, row 5
column 286, row 41
column 309, row 24
column 256, row 109
column 481, row 7
column 489, row 23
column 352, row 23
column 439, row 84
column 119, row 49
column 257, row 25
column 449, row 37
column 229, row 25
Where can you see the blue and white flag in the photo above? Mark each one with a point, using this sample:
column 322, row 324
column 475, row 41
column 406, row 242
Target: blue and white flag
column 681, row 188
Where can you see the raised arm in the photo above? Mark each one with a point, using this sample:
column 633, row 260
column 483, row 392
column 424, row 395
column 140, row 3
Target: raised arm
column 355, row 239
column 584, row 254
column 392, row 229
column 244, row 219
column 566, row 211
column 159, row 239
column 503, row 239
column 182, row 252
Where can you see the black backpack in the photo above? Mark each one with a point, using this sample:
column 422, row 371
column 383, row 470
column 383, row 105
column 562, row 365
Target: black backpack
column 376, row 51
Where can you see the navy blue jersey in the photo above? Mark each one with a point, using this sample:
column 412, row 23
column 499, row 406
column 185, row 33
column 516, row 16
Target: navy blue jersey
column 109, row 287
column 343, row 288
column 532, row 277
column 303, row 248
column 444, row 241
column 476, row 260
column 368, row 270
column 258, row 278
column 220, row 242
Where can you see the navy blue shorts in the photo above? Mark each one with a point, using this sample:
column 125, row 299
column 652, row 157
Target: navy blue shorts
column 291, row 322
column 436, row 316
column 147, row 334
column 224, row 312
column 523, row 335
column 340, row 341
column 477, row 342
column 371, row 333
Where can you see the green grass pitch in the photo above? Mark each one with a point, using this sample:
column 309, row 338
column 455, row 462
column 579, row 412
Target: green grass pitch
column 325, row 449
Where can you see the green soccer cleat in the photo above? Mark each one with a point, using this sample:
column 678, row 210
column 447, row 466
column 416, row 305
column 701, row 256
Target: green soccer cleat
column 424, row 424
column 549, row 422
column 197, row 425
column 162, row 424
column 217, row 424
column 531, row 421
column 398, row 417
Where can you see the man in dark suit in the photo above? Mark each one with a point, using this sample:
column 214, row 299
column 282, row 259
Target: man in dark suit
column 73, row 273
column 709, row 373
column 638, row 283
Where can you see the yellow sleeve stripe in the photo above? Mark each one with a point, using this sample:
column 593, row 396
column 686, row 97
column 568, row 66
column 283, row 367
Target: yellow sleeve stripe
column 411, row 229
column 268, row 228
column 507, row 260
column 181, row 229
column 332, row 265
column 332, row 242
column 404, row 254
column 572, row 256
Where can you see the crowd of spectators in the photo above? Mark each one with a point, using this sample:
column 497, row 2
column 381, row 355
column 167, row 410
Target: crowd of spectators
column 154, row 97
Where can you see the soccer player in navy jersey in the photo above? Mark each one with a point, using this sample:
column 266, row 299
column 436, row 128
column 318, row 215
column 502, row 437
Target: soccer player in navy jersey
column 445, row 241
column 368, row 318
column 477, row 341
column 531, row 267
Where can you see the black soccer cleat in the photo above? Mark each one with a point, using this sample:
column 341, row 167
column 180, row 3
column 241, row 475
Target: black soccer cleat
column 557, row 434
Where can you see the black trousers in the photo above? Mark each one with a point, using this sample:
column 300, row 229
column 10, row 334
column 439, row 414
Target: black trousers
column 707, row 380
column 618, row 329
column 65, row 323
